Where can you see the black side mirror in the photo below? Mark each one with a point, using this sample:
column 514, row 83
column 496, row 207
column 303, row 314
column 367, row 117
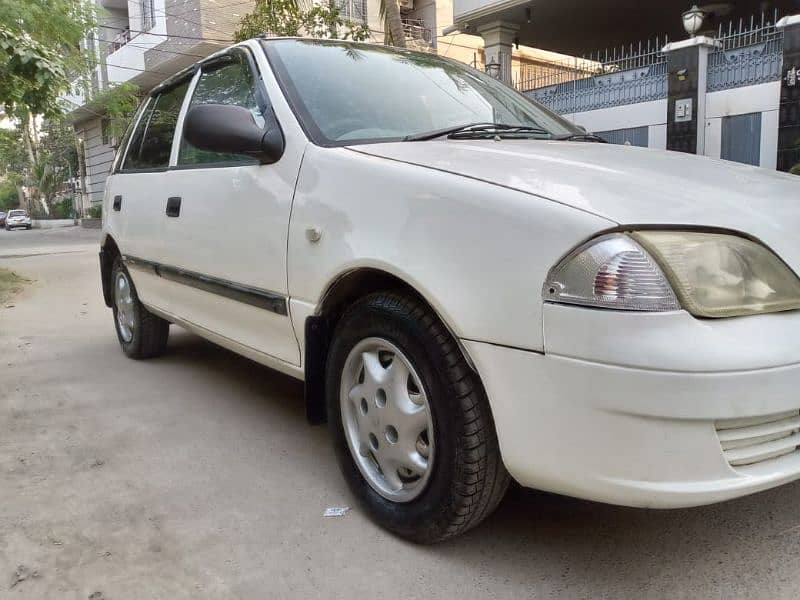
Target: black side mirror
column 232, row 129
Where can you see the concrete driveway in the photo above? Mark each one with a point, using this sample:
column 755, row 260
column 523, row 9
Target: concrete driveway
column 196, row 476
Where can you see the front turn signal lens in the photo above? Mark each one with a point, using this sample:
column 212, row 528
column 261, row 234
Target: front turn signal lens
column 612, row 271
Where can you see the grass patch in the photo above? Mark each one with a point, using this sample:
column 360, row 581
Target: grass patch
column 10, row 284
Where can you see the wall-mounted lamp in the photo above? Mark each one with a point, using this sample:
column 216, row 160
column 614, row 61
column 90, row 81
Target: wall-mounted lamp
column 682, row 75
column 693, row 20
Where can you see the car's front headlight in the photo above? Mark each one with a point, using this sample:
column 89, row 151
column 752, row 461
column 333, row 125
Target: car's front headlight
column 710, row 275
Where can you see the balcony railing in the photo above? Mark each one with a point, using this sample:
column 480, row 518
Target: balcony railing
column 416, row 31
column 118, row 41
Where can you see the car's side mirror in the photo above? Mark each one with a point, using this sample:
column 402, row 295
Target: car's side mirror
column 232, row 129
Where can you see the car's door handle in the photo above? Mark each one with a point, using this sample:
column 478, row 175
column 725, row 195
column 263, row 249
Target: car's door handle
column 174, row 206
column 117, row 203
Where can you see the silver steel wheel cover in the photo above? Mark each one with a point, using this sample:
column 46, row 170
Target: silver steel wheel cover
column 123, row 298
column 387, row 420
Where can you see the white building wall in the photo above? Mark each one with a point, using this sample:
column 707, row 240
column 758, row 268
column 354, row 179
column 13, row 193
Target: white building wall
column 764, row 99
column 645, row 114
column 98, row 157
column 128, row 62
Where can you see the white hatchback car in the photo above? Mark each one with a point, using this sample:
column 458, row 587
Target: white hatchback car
column 468, row 292
column 16, row 219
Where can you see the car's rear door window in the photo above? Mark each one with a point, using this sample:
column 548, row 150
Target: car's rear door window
column 151, row 143
column 230, row 82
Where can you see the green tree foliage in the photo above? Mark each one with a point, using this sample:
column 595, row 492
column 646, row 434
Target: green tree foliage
column 12, row 155
column 58, row 140
column 31, row 76
column 8, row 195
column 118, row 103
column 40, row 57
column 54, row 160
column 288, row 18
column 12, row 167
column 40, row 51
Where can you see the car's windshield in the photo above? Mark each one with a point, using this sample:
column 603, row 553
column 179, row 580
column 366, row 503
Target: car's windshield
column 346, row 92
column 16, row 213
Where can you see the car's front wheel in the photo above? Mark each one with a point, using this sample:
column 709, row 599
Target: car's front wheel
column 141, row 333
column 412, row 428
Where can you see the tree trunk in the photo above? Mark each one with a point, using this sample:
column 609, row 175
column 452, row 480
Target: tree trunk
column 27, row 137
column 30, row 137
column 393, row 25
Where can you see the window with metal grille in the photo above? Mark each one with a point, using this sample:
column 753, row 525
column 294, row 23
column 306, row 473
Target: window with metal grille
column 148, row 14
column 741, row 139
column 635, row 136
column 354, row 10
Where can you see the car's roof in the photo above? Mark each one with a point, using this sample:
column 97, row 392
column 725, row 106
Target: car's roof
column 272, row 38
column 332, row 42
column 180, row 75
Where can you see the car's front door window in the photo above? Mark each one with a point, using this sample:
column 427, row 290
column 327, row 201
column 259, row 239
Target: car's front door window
column 232, row 83
column 151, row 143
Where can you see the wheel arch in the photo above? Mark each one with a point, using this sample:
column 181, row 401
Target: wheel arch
column 342, row 291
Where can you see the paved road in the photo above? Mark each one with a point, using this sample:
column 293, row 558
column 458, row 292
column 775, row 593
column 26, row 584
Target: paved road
column 20, row 242
column 196, row 476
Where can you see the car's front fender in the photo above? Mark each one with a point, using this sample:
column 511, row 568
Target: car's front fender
column 477, row 252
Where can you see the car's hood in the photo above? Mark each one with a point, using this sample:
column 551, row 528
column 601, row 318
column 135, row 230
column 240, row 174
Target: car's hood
column 625, row 184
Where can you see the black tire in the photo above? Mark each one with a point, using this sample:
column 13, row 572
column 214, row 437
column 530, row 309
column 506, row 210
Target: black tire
column 150, row 332
column 468, row 478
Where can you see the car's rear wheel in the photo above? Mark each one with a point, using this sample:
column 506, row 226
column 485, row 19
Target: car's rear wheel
column 141, row 333
column 411, row 424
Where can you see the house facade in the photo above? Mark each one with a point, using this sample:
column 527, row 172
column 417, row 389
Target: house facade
column 721, row 83
column 141, row 42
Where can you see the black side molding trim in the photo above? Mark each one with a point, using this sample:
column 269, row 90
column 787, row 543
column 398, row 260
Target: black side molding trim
column 270, row 301
column 140, row 264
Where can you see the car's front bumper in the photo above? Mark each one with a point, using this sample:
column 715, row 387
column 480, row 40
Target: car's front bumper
column 631, row 409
